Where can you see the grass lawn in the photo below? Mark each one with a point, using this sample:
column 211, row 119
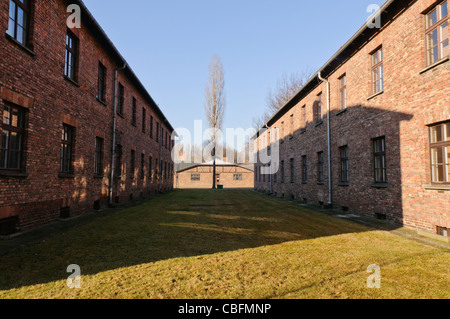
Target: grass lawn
column 224, row 244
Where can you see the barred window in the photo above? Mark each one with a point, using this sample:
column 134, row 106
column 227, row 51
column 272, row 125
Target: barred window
column 195, row 177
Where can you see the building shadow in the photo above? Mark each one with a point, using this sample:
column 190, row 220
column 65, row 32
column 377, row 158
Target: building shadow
column 366, row 167
column 183, row 223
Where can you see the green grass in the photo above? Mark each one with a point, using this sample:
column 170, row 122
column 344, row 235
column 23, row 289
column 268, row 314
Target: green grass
column 224, row 244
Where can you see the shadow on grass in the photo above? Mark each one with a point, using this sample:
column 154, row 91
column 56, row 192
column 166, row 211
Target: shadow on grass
column 183, row 223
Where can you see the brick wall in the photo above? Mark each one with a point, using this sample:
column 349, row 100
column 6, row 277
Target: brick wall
column 33, row 78
column 413, row 98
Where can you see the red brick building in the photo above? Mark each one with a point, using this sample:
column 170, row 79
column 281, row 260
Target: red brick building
column 68, row 101
column 200, row 176
column 370, row 132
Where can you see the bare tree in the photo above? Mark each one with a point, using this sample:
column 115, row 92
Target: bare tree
column 287, row 87
column 215, row 103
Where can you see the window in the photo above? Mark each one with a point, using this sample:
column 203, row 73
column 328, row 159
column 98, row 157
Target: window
column 167, row 140
column 195, row 177
column 304, row 122
column 156, row 169
column 132, row 163
column 157, row 132
column 318, row 109
column 443, row 231
column 144, row 116
column 71, row 56
column 18, row 23
column 142, row 166
column 67, row 142
column 150, row 168
column 282, row 132
column 320, row 167
column 292, row 170
column 344, row 164
column 437, row 33
column 343, row 91
column 12, row 135
column 165, row 170
column 377, row 71
column 291, row 127
column 118, row 160
column 304, row 170
column 440, row 153
column 133, row 112
column 151, row 126
column 379, row 157
column 98, row 162
column 282, row 171
column 101, row 86
column 121, row 99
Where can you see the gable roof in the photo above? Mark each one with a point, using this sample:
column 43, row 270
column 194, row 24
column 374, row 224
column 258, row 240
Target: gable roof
column 181, row 167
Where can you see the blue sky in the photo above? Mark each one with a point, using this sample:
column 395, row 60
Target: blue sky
column 169, row 44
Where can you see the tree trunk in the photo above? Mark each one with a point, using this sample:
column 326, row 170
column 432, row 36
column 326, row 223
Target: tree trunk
column 214, row 169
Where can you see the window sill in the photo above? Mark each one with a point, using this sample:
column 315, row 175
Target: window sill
column 319, row 123
column 320, row 183
column 379, row 185
column 98, row 176
column 344, row 184
column 437, row 187
column 375, row 95
column 66, row 175
column 71, row 81
column 303, row 131
column 432, row 66
column 13, row 174
column 120, row 115
column 20, row 45
column 100, row 101
column 341, row 112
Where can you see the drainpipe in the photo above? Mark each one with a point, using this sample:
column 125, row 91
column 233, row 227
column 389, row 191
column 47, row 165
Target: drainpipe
column 271, row 162
column 111, row 181
column 330, row 201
